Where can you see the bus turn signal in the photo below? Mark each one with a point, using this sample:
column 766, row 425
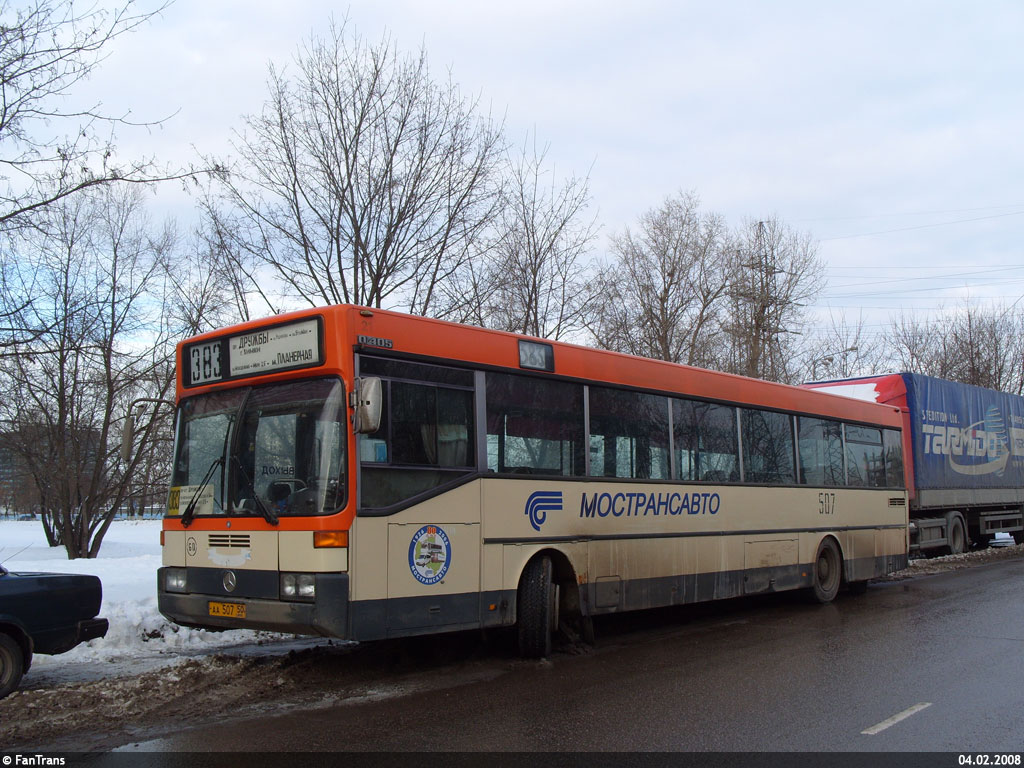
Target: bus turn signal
column 323, row 539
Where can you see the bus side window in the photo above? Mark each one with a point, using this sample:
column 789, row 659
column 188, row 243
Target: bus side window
column 706, row 445
column 767, row 447
column 893, row 447
column 820, row 446
column 865, row 460
column 628, row 434
column 426, row 435
column 534, row 425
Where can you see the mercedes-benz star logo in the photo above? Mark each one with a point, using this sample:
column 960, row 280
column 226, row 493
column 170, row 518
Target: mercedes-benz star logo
column 230, row 582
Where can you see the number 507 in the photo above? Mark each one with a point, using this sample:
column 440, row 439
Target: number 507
column 826, row 503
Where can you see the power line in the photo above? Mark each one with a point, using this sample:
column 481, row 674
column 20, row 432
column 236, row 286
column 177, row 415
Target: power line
column 915, row 267
column 955, row 275
column 905, row 291
column 921, row 226
column 911, row 213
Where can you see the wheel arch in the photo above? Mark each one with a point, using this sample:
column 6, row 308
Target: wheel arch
column 845, row 564
column 563, row 574
column 836, row 539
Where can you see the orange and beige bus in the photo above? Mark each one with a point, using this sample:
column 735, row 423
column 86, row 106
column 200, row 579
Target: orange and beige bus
column 364, row 474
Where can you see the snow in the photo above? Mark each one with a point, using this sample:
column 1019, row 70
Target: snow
column 138, row 637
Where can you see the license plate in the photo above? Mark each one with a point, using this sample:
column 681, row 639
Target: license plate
column 227, row 610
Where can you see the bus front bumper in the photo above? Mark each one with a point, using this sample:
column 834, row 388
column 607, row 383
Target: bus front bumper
column 326, row 615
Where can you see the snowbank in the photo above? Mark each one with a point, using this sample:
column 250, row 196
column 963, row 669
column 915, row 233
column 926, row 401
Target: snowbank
column 127, row 566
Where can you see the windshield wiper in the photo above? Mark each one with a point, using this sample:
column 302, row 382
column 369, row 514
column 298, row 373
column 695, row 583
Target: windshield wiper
column 190, row 510
column 267, row 513
column 263, row 509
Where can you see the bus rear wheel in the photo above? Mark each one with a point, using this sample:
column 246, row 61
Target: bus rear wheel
column 827, row 572
column 536, row 609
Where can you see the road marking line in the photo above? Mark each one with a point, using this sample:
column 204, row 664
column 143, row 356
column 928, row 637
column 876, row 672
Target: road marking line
column 896, row 718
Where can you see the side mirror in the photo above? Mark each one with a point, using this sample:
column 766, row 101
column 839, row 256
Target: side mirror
column 127, row 436
column 367, row 401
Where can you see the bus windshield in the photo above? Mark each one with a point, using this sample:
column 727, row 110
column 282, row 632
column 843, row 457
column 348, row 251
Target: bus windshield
column 279, row 448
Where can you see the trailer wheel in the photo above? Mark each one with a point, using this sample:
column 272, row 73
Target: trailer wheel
column 535, row 609
column 827, row 572
column 12, row 664
column 957, row 537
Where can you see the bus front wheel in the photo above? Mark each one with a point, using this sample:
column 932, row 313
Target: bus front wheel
column 536, row 611
column 827, row 572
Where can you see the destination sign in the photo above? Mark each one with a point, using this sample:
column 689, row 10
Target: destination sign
column 295, row 345
column 268, row 350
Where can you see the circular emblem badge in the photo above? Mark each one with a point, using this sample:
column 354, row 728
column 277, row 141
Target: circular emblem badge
column 191, row 546
column 430, row 553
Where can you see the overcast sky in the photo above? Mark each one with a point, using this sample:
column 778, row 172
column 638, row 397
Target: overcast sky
column 890, row 131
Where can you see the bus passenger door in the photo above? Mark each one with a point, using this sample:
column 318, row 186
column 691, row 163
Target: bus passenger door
column 433, row 577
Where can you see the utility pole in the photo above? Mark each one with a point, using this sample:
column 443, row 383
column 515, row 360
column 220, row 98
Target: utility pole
column 757, row 299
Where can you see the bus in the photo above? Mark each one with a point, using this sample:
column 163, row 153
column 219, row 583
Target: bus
column 364, row 474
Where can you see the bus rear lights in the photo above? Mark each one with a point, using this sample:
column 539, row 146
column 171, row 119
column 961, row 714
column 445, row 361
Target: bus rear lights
column 333, row 539
column 174, row 580
column 298, row 586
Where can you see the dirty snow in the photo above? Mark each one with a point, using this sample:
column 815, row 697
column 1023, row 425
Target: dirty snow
column 139, row 638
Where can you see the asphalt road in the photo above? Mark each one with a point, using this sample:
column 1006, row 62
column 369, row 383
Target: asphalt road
column 931, row 664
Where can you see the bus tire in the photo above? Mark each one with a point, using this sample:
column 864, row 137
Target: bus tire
column 535, row 609
column 12, row 664
column 957, row 536
column 827, row 572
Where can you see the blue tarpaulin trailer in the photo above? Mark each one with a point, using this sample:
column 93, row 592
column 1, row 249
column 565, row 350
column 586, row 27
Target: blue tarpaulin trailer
column 965, row 444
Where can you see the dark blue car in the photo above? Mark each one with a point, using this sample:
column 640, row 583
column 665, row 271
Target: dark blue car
column 44, row 613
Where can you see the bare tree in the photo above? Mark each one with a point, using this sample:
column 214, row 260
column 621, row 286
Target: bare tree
column 536, row 278
column 918, row 346
column 362, row 180
column 48, row 148
column 662, row 294
column 232, row 267
column 199, row 288
column 972, row 345
column 843, row 350
column 96, row 265
column 986, row 348
column 775, row 271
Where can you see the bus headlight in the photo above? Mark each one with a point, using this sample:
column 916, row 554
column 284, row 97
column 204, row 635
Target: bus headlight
column 174, row 580
column 298, row 586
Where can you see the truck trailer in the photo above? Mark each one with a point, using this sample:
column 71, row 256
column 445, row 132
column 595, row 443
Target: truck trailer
column 964, row 451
